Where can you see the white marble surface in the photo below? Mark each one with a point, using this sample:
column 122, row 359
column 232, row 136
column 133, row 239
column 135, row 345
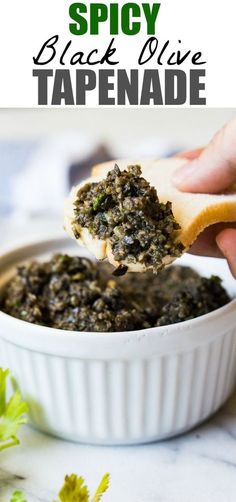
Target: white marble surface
column 197, row 467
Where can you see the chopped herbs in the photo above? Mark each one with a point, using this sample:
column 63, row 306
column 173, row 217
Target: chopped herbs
column 125, row 210
column 76, row 294
column 99, row 200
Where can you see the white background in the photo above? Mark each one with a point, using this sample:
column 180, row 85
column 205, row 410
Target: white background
column 204, row 25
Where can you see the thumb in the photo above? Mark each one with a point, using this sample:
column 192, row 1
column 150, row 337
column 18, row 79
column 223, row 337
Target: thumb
column 226, row 241
column 215, row 168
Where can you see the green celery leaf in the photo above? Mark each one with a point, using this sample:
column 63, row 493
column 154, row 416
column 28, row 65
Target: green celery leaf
column 102, row 488
column 3, row 377
column 74, row 490
column 12, row 414
column 18, row 497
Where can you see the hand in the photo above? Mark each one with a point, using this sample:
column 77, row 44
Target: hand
column 211, row 170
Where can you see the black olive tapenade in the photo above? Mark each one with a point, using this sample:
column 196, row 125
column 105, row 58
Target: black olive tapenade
column 76, row 294
column 124, row 209
column 198, row 297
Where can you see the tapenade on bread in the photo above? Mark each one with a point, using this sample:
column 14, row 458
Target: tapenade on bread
column 76, row 294
column 124, row 210
column 111, row 215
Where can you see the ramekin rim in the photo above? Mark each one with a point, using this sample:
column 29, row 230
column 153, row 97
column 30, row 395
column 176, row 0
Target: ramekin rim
column 156, row 331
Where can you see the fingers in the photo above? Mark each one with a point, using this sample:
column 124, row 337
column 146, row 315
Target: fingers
column 190, row 154
column 217, row 241
column 226, row 241
column 214, row 170
column 206, row 244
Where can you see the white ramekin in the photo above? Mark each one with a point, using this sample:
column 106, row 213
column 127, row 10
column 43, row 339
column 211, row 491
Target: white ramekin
column 120, row 388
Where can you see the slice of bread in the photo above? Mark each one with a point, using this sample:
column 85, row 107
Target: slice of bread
column 193, row 212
